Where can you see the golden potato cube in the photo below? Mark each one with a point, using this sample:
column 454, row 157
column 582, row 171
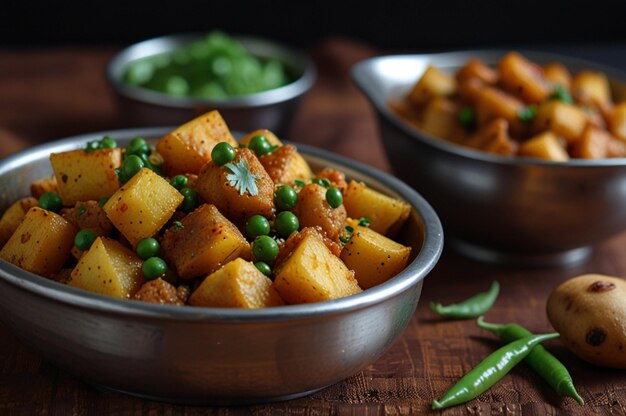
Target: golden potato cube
column 41, row 243
column 373, row 257
column 238, row 284
column 13, row 216
column 565, row 120
column 596, row 143
column 440, row 119
column 592, row 88
column 523, row 78
column 108, row 268
column 556, row 74
column 544, row 146
column 476, row 69
column 312, row 209
column 187, row 148
column 83, row 176
column 269, row 135
column 492, row 103
column 494, row 137
column 43, row 185
column 143, row 205
column 433, row 83
column 617, row 121
column 206, row 241
column 313, row 274
column 285, row 165
column 386, row 214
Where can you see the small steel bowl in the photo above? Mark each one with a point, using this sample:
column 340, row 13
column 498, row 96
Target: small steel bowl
column 212, row 355
column 511, row 210
column 270, row 109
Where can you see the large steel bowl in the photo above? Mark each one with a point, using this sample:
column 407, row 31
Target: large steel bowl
column 212, row 355
column 270, row 109
column 512, row 210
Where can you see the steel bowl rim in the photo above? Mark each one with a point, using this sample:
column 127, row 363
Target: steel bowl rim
column 382, row 108
column 417, row 270
column 285, row 93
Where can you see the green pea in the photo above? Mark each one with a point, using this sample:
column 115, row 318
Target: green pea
column 138, row 146
column 286, row 223
column 84, row 239
column 285, row 197
column 132, row 164
column 91, row 146
column 467, row 117
column 259, row 145
column 107, row 143
column 153, row 268
column 257, row 225
column 264, row 248
column 222, row 153
column 264, row 268
column 334, row 197
column 50, row 201
column 179, row 181
column 190, row 199
column 148, row 247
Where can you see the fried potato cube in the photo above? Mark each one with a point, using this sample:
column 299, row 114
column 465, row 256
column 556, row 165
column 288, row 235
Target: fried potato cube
column 592, row 88
column 206, row 241
column 89, row 215
column 285, row 164
column 433, row 83
column 597, row 143
column 142, row 206
column 41, row 243
column 215, row 187
column 159, row 291
column 476, row 69
column 492, row 103
column 544, row 146
column 440, row 119
column 83, row 176
column 238, row 284
column 556, row 74
column 312, row 210
column 43, row 185
column 189, row 146
column 268, row 134
column 494, row 138
column 108, row 268
column 565, row 120
column 617, row 121
column 373, row 257
column 470, row 89
column 523, row 78
column 313, row 274
column 13, row 216
column 387, row 214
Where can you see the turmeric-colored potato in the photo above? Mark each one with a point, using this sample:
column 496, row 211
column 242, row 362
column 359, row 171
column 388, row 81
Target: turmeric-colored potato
column 83, row 176
column 90, row 216
column 43, row 185
column 565, row 120
column 493, row 103
column 313, row 274
column 336, row 177
column 108, row 268
column 592, row 88
column 556, row 74
column 206, row 241
column 523, row 78
column 312, row 210
column 41, row 243
column 544, row 146
column 159, row 291
column 596, row 143
column 268, row 134
column 441, row 120
column 285, row 164
column 433, row 83
column 189, row 146
column 617, row 121
column 476, row 69
column 218, row 185
column 493, row 137
column 238, row 284
column 13, row 216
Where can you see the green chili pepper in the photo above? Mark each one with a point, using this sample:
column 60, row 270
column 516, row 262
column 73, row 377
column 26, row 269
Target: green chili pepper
column 489, row 371
column 470, row 308
column 539, row 359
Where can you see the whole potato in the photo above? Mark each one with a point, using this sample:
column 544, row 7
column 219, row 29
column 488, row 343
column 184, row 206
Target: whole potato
column 589, row 312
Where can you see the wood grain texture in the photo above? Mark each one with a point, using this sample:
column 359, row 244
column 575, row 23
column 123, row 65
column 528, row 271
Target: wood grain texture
column 50, row 94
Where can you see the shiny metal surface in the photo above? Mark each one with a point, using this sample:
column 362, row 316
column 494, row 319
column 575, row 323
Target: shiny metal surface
column 212, row 355
column 512, row 210
column 269, row 109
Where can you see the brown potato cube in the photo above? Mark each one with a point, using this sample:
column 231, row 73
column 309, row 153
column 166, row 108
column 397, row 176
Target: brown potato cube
column 523, row 78
column 476, row 69
column 492, row 103
column 159, row 291
column 544, row 146
column 596, row 143
column 285, row 164
column 494, row 137
column 43, row 185
column 565, row 120
column 83, row 176
column 592, row 88
column 433, row 83
column 440, row 119
column 88, row 215
column 556, row 74
column 189, row 146
column 206, row 241
column 617, row 121
column 312, row 210
column 216, row 188
column 41, row 243
column 13, row 216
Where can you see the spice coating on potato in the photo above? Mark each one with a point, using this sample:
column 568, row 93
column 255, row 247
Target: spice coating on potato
column 313, row 210
column 284, row 165
column 589, row 312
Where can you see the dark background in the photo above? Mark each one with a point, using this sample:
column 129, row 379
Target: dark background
column 390, row 25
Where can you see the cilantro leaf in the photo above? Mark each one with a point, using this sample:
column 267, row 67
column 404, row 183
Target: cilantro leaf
column 241, row 178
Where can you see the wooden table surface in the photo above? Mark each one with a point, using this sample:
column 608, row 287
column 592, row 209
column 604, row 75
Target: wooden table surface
column 54, row 93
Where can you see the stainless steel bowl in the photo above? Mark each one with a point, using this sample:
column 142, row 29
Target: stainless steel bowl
column 212, row 355
column 270, row 109
column 511, row 210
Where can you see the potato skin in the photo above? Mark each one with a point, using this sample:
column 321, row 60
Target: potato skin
column 589, row 312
